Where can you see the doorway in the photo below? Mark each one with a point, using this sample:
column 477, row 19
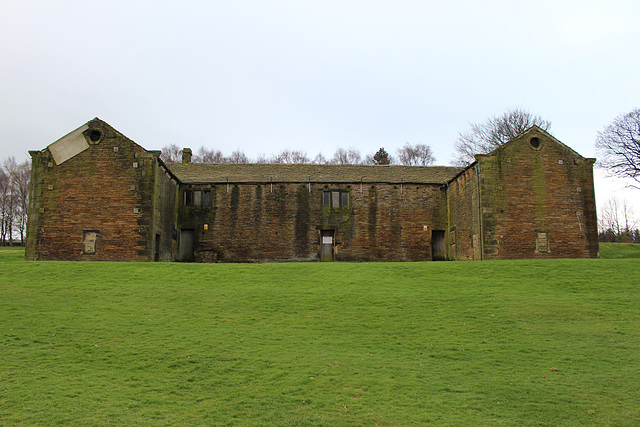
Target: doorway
column 327, row 244
column 185, row 252
column 438, row 251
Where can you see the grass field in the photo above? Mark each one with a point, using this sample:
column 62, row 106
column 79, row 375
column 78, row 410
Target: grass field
column 468, row 343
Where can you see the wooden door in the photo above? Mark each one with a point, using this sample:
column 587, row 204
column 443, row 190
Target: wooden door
column 327, row 244
column 185, row 253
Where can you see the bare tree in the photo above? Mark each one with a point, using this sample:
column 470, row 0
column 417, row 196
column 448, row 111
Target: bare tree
column 416, row 155
column 291, row 157
column 208, row 155
column 494, row 132
column 617, row 220
column 262, row 158
column 237, row 157
column 21, row 176
column 14, row 192
column 320, row 160
column 171, row 154
column 5, row 204
column 347, row 157
column 619, row 146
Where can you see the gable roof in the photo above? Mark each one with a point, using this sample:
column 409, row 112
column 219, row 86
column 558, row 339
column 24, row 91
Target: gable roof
column 76, row 141
column 533, row 130
column 212, row 173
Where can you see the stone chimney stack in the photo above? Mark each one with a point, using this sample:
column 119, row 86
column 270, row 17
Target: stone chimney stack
column 186, row 155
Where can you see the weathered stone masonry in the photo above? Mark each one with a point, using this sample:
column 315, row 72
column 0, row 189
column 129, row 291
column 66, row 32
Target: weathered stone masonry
column 97, row 195
column 113, row 190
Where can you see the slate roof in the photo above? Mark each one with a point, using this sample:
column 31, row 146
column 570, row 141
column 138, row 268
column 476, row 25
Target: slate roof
column 212, row 173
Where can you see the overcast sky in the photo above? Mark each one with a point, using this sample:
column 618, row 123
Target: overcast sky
column 262, row 76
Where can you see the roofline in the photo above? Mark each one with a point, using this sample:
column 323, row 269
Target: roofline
column 466, row 168
column 165, row 167
column 413, row 182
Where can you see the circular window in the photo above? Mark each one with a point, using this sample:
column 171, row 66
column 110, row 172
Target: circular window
column 95, row 135
column 535, row 142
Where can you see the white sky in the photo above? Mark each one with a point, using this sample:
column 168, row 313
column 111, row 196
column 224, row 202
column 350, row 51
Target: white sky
column 314, row 75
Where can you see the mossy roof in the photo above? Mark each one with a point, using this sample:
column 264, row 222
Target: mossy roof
column 263, row 172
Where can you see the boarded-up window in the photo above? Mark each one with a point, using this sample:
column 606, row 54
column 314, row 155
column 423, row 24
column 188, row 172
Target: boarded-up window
column 197, row 198
column 89, row 238
column 542, row 241
column 335, row 199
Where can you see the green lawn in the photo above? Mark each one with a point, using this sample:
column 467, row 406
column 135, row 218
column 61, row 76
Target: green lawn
column 450, row 343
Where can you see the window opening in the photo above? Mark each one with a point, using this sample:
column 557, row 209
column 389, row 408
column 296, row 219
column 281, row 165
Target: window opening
column 345, row 199
column 206, row 198
column 335, row 199
column 95, row 135
column 197, row 198
column 326, row 199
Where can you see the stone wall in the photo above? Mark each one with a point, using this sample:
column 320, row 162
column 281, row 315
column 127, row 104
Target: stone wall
column 537, row 200
column 96, row 195
column 96, row 205
column 283, row 221
column 165, row 199
column 463, row 239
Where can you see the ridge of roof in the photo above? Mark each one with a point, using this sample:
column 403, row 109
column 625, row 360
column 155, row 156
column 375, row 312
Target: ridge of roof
column 211, row 173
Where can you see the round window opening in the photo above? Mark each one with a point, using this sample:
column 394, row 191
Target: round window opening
column 535, row 142
column 95, row 135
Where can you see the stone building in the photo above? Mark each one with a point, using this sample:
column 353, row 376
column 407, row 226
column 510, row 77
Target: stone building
column 97, row 195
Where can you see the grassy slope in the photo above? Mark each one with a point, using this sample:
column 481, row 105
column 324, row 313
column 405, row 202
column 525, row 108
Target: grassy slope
column 619, row 250
column 320, row 344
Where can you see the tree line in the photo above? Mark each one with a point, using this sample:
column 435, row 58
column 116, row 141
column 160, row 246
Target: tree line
column 617, row 222
column 14, row 200
column 408, row 155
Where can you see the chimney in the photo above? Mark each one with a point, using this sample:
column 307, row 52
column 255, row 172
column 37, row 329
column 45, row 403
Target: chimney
column 186, row 155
